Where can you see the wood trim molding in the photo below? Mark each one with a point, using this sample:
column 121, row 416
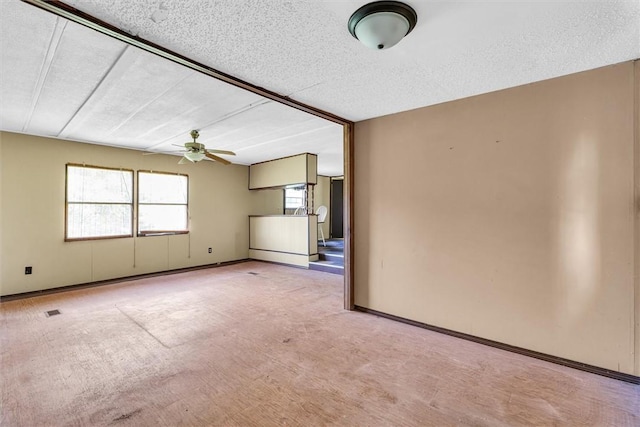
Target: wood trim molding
column 277, row 187
column 285, row 157
column 281, row 252
column 111, row 168
column 636, row 249
column 134, row 204
column 162, row 173
column 330, row 203
column 281, row 215
column 348, row 196
column 519, row 350
column 24, row 295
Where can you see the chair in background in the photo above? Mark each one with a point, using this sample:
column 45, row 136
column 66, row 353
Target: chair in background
column 300, row 210
column 322, row 215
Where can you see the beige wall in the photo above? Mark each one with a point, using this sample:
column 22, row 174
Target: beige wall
column 508, row 216
column 32, row 190
column 267, row 202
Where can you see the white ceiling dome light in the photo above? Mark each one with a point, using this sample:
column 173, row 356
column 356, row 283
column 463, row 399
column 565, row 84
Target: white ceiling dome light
column 382, row 24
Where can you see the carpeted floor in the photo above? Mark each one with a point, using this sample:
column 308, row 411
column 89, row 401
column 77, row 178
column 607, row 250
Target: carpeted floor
column 263, row 344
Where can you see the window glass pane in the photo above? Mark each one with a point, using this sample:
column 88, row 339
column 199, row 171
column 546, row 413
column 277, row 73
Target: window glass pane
column 162, row 218
column 293, row 198
column 96, row 220
column 95, row 185
column 162, row 188
column 162, row 204
column 99, row 202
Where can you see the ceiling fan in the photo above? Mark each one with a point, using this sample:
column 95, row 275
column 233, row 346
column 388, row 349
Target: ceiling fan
column 196, row 152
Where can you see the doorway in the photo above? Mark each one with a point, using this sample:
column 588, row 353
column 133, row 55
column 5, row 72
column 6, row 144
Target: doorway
column 336, row 219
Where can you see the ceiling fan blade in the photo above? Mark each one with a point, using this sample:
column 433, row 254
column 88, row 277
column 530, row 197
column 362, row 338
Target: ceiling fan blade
column 229, row 153
column 148, row 153
column 183, row 161
column 181, row 145
column 217, row 159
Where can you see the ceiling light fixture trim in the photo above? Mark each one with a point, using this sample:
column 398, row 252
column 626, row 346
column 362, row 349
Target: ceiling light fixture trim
column 382, row 24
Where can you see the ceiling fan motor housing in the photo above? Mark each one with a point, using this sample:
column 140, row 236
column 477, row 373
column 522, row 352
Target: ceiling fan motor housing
column 194, row 146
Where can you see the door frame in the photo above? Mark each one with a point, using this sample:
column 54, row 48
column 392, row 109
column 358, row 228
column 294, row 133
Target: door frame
column 61, row 9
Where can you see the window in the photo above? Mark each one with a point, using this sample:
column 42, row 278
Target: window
column 162, row 203
column 294, row 197
column 99, row 203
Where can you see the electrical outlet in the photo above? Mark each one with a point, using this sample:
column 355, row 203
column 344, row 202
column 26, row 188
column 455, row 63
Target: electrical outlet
column 210, row 250
column 28, row 270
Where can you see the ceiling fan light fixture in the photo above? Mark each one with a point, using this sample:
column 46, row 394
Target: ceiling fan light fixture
column 382, row 24
column 194, row 156
column 195, row 152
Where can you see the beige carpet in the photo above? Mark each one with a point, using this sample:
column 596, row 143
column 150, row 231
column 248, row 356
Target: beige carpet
column 262, row 344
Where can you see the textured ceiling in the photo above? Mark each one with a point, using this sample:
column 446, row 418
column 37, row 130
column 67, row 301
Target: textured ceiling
column 63, row 80
column 458, row 49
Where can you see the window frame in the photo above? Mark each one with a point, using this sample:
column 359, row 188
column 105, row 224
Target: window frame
column 66, row 203
column 137, row 206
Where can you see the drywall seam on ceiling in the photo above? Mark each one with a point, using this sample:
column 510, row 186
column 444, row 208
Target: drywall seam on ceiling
column 67, row 129
column 217, row 120
column 56, row 36
column 61, row 9
column 147, row 104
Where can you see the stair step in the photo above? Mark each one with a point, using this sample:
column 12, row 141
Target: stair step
column 337, row 258
column 327, row 266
